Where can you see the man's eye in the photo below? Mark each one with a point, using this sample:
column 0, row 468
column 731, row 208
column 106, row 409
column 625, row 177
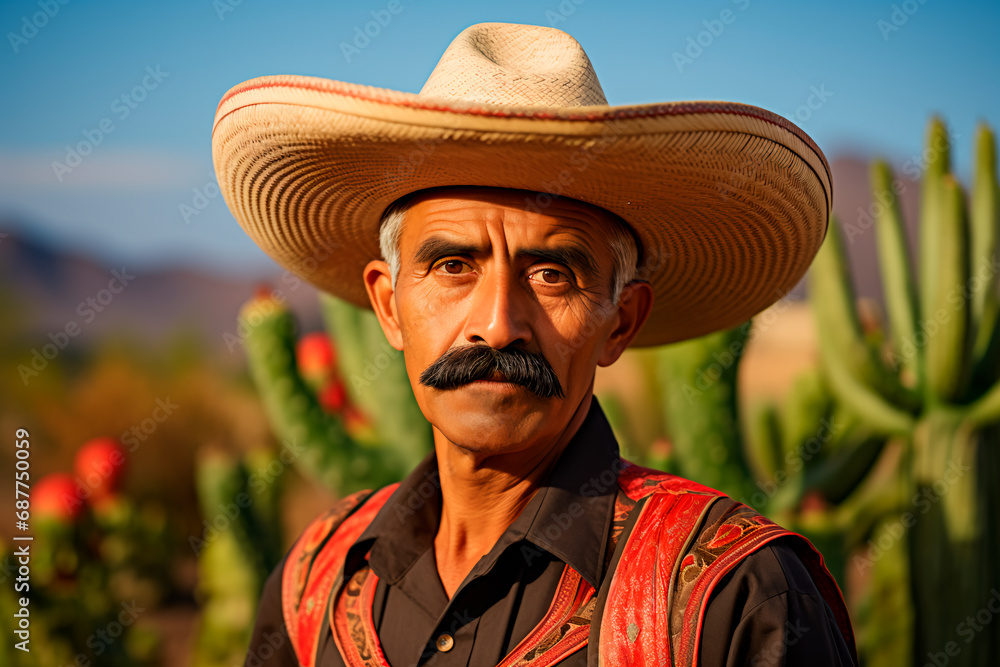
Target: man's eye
column 550, row 276
column 454, row 267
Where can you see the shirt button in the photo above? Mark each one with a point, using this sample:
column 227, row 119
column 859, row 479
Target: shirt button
column 444, row 643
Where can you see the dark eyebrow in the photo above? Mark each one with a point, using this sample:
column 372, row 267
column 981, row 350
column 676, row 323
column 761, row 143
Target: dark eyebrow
column 436, row 246
column 574, row 257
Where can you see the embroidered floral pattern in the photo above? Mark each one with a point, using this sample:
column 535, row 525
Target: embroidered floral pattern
column 714, row 550
column 316, row 536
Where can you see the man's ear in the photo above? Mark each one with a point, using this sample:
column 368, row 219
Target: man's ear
column 378, row 283
column 633, row 310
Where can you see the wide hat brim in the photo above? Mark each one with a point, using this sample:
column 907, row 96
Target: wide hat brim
column 730, row 202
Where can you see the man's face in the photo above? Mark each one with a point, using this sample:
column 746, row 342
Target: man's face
column 478, row 269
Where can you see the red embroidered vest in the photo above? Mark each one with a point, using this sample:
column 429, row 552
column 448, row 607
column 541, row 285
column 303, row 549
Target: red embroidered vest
column 650, row 614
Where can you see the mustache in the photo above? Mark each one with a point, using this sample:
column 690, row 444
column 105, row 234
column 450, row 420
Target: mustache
column 462, row 365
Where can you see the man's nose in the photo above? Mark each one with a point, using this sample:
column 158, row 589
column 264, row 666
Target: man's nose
column 498, row 313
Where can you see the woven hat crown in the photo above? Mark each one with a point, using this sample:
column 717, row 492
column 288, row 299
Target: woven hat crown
column 524, row 65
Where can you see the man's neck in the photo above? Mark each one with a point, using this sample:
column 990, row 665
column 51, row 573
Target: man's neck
column 481, row 498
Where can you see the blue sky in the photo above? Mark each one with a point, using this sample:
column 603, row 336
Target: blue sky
column 65, row 78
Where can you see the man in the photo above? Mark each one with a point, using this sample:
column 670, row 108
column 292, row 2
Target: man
column 512, row 233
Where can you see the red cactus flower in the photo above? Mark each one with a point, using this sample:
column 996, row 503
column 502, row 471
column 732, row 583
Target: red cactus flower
column 333, row 396
column 99, row 466
column 57, row 496
column 358, row 425
column 262, row 291
column 265, row 303
column 813, row 502
column 317, row 358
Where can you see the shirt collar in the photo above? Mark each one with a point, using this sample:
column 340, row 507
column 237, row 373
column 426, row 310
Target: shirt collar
column 569, row 516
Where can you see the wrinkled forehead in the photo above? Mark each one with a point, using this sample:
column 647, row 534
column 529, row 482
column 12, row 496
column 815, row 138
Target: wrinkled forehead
column 468, row 210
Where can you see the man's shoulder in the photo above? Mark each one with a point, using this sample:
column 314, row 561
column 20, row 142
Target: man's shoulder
column 693, row 541
column 638, row 482
column 715, row 530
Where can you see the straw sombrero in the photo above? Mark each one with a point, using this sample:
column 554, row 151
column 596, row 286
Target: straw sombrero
column 730, row 202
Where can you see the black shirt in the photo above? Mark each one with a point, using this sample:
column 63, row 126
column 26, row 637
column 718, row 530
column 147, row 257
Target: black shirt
column 766, row 611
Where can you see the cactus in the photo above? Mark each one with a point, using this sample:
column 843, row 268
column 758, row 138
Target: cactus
column 773, row 459
column 368, row 438
column 789, row 462
column 903, row 486
column 387, row 435
column 240, row 546
column 700, row 402
column 941, row 346
column 86, row 593
column 377, row 381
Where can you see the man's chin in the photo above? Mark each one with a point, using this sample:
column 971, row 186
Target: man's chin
column 490, row 415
